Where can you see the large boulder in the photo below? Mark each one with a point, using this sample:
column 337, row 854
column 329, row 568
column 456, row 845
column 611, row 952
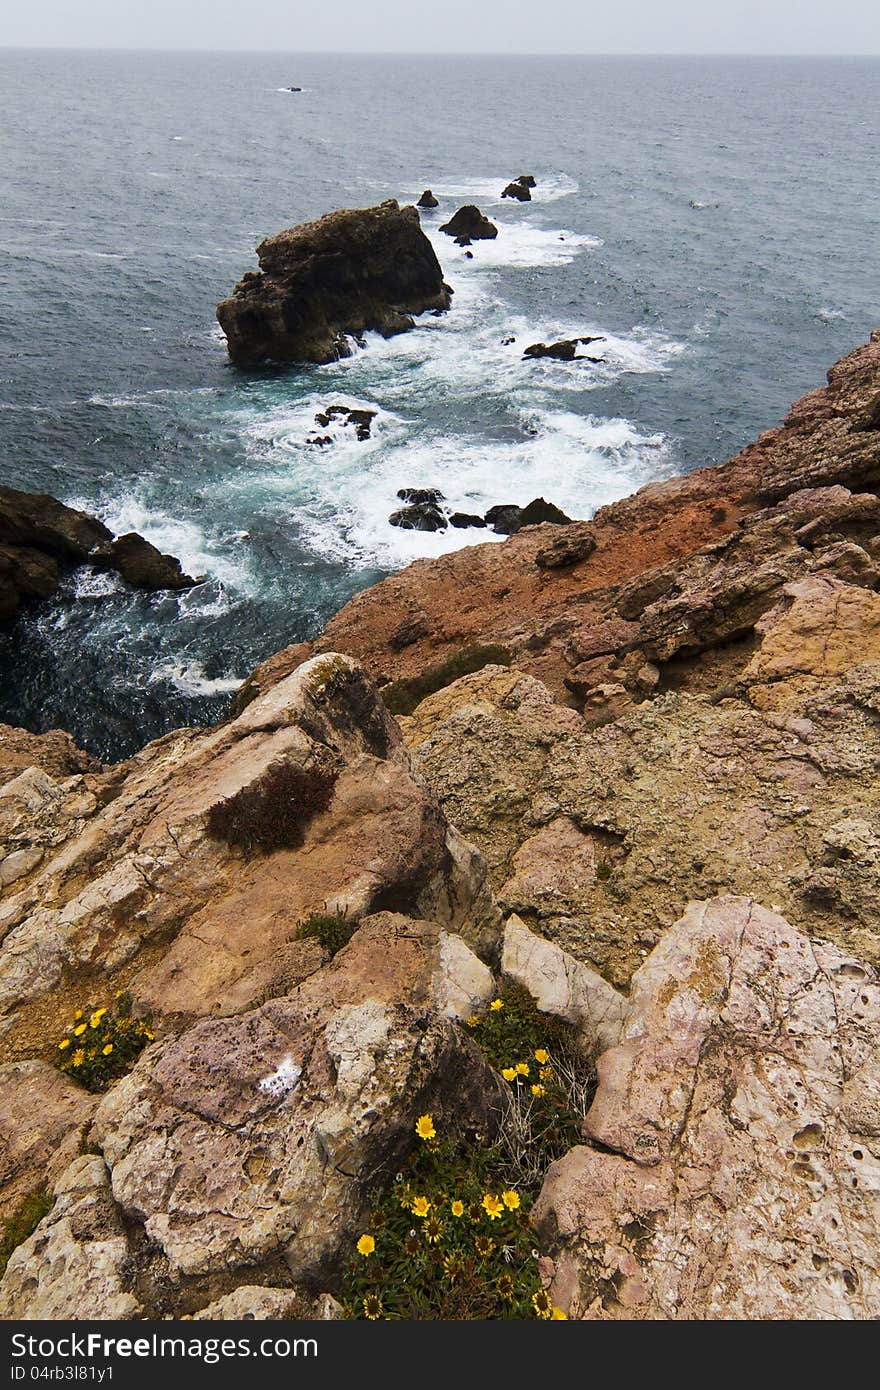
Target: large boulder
column 191, row 884
column 470, row 224
column 736, row 1121
column 353, row 270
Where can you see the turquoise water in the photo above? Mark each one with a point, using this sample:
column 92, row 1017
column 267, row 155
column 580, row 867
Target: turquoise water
column 714, row 219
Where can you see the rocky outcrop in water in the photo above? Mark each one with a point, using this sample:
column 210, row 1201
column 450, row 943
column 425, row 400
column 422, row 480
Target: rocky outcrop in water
column 469, row 224
column 519, row 191
column 566, row 350
column 427, row 200
column 40, row 538
column 349, row 272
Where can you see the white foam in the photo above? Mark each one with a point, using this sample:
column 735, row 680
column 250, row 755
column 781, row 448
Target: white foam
column 96, row 584
column 488, row 189
column 517, row 244
column 340, row 505
column 190, row 679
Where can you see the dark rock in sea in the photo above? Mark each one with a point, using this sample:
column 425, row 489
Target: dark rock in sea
column 464, row 241
column 321, row 440
column 469, row 255
column 422, row 516
column 430, row 495
column 519, row 191
column 539, row 511
column 564, row 351
column 569, row 548
column 39, row 537
column 141, row 564
column 506, row 342
column 504, row 519
column 462, row 520
column 527, row 180
column 353, row 270
column 362, row 420
column 294, row 89
column 470, row 222
column 507, row 518
column 427, row 200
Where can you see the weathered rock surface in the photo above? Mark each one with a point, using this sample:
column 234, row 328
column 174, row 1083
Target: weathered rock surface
column 42, row 1122
column 39, row 537
column 241, row 1150
column 740, row 1108
column 353, row 270
column 194, row 923
column 78, row 1263
column 562, row 986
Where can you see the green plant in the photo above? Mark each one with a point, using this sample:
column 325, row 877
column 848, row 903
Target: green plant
column 446, row 1241
column 22, row 1223
column 275, row 810
column 450, row 1237
column 100, row 1044
column 401, row 697
column 603, row 871
column 333, row 932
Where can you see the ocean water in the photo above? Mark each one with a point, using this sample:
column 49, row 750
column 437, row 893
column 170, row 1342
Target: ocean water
column 716, row 220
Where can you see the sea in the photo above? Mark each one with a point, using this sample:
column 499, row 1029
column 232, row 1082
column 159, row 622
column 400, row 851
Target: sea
column 714, row 221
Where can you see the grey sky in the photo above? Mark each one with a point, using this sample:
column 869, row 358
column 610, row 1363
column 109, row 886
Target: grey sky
column 453, row 26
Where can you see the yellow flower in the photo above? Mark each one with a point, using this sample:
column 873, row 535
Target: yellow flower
column 425, row 1127
column 457, row 1208
column 473, row 1021
column 538, row 1091
column 372, row 1307
column 557, row 1315
column 546, row 1073
column 433, row 1230
column 510, row 1199
column 78, row 1014
column 542, row 1056
column 541, row 1303
column 366, row 1245
column 107, row 1050
column 492, row 1206
column 78, row 1032
column 62, row 1045
column 509, row 1073
column 96, row 1017
column 496, row 1005
column 522, row 1069
column 420, row 1206
column 78, row 1057
column 119, row 993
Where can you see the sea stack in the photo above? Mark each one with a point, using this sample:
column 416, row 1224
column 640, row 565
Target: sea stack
column 350, row 271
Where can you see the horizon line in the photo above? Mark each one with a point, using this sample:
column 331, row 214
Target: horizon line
column 414, row 53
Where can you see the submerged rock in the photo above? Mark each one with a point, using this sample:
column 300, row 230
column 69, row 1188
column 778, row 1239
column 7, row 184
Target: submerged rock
column 431, row 495
column 566, row 350
column 421, row 516
column 361, row 419
column 469, row 224
column 353, row 270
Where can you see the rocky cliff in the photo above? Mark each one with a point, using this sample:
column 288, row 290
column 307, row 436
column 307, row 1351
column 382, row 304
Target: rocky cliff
column 632, row 773
column 353, row 270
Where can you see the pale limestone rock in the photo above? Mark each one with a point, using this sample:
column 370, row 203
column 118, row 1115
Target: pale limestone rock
column 562, row 986
column 76, row 1264
column 252, row 1138
column 742, row 1103
column 144, row 870
column 43, row 1118
column 20, row 862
